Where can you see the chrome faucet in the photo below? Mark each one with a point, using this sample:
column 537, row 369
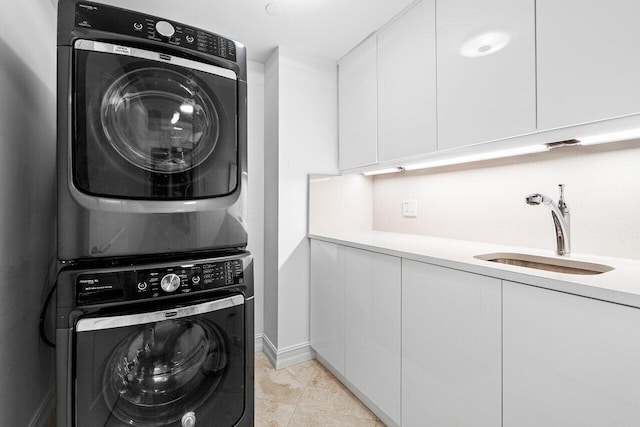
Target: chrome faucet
column 560, row 217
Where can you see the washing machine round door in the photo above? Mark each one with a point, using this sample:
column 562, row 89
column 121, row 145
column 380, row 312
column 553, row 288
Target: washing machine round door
column 159, row 120
column 163, row 368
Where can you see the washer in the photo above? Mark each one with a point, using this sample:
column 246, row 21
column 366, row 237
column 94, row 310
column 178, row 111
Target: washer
column 156, row 344
column 152, row 118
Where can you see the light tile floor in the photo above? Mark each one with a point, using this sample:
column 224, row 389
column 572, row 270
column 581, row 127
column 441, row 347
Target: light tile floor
column 305, row 395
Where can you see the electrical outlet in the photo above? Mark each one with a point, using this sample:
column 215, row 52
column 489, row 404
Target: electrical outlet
column 410, row 208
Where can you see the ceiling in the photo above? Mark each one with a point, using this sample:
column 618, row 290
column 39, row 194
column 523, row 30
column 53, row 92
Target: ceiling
column 325, row 28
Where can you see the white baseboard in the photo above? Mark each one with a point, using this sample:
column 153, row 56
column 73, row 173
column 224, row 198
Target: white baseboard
column 269, row 350
column 282, row 358
column 259, row 342
column 41, row 417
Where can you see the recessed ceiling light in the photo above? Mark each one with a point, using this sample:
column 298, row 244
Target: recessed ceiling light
column 273, row 8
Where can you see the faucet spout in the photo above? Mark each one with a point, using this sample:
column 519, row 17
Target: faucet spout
column 560, row 218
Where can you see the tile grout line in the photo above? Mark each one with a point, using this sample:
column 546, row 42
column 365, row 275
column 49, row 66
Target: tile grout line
column 295, row 409
column 317, row 371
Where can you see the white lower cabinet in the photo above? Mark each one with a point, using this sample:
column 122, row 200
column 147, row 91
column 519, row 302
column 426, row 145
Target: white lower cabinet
column 433, row 346
column 451, row 347
column 327, row 309
column 569, row 360
column 373, row 327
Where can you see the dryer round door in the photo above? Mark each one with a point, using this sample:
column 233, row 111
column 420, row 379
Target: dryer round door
column 150, row 128
column 159, row 120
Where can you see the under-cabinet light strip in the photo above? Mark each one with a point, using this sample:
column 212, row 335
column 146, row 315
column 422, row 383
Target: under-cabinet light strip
column 478, row 157
column 610, row 137
column 383, row 171
column 512, row 152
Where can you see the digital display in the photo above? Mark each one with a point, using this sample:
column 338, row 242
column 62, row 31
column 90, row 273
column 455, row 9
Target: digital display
column 92, row 288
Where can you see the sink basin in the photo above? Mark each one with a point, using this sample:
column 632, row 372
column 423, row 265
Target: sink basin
column 558, row 265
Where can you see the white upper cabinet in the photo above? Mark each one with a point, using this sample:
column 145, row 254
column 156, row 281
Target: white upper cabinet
column 588, row 61
column 358, row 106
column 486, row 70
column 407, row 85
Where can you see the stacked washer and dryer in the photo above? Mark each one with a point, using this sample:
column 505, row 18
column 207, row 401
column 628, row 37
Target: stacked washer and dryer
column 155, row 286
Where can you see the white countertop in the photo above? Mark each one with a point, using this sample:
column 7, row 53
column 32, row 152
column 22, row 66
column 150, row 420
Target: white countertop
column 621, row 285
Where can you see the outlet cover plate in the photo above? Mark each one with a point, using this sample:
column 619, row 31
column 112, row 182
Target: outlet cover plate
column 410, row 208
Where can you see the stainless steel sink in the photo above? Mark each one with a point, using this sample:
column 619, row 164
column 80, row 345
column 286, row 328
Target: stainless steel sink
column 558, row 265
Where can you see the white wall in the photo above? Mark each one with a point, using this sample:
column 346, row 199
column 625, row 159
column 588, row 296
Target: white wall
column 27, row 216
column 271, row 125
column 303, row 135
column 308, row 143
column 255, row 99
column 485, row 202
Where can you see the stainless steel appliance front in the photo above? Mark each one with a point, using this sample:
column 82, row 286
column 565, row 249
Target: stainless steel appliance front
column 151, row 136
column 133, row 351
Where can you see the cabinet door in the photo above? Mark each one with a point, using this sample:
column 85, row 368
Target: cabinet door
column 568, row 360
column 327, row 302
column 493, row 95
column 373, row 327
column 407, row 84
column 358, row 110
column 588, row 62
column 451, row 347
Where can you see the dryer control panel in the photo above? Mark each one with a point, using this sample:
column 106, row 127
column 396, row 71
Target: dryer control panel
column 115, row 20
column 156, row 282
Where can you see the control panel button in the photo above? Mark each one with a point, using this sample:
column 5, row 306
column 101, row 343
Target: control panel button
column 170, row 282
column 153, row 28
column 142, row 286
column 195, row 280
column 164, row 28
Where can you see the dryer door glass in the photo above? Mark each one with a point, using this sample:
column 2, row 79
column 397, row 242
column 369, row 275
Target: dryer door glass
column 159, row 120
column 153, row 373
column 147, row 129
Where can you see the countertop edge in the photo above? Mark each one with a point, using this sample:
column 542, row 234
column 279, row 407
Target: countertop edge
column 530, row 278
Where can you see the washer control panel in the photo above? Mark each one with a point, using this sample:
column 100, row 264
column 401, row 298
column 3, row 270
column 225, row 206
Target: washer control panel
column 115, row 20
column 156, row 282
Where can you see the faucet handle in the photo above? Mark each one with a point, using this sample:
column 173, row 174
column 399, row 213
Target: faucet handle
column 562, row 206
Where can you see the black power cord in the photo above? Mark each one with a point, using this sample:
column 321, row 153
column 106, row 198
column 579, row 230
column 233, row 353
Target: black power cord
column 43, row 314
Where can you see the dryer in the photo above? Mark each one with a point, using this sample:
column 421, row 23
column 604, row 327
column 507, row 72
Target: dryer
column 151, row 135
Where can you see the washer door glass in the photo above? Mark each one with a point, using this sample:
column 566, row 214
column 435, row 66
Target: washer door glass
column 163, row 367
column 159, row 120
column 155, row 373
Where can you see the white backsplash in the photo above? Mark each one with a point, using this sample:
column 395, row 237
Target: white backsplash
column 340, row 203
column 484, row 202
